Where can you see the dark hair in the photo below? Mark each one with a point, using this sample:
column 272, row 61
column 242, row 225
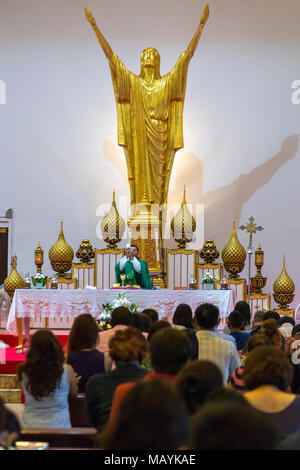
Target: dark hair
column 244, row 309
column 196, row 380
column 141, row 321
column 151, row 417
column 258, row 316
column 207, row 316
column 194, row 343
column 120, row 316
column 236, row 319
column 286, row 319
column 267, row 365
column 128, row 345
column 296, row 329
column 257, row 340
column 134, row 246
column 84, row 333
column 152, row 314
column 183, row 316
column 170, row 349
column 43, row 366
column 269, row 328
column 156, row 326
column 271, row 314
column 225, row 395
column 232, row 426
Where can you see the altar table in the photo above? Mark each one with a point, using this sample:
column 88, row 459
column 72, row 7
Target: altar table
column 50, row 303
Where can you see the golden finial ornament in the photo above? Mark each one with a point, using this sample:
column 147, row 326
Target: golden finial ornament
column 233, row 255
column 112, row 226
column 39, row 258
column 283, row 289
column 183, row 224
column 61, row 254
column 209, row 252
column 258, row 282
column 85, row 252
column 14, row 280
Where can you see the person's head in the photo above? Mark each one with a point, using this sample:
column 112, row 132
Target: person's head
column 152, row 314
column 170, row 349
column 134, row 251
column 195, row 381
column 207, row 316
column 286, row 319
column 141, row 321
column 225, row 395
column 255, row 341
column 194, row 344
column 84, row 333
column 296, row 330
column 128, row 346
column 270, row 329
column 10, row 430
column 231, row 426
column 267, row 365
column 43, row 366
column 271, row 314
column 151, row 417
column 120, row 316
column 156, row 326
column 183, row 316
column 244, row 309
column 258, row 317
column 235, row 321
column 128, row 252
column 150, row 59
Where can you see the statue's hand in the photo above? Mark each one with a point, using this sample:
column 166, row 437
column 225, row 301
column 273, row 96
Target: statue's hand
column 205, row 15
column 89, row 16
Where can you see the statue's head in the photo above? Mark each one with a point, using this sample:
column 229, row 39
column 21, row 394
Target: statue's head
column 150, row 58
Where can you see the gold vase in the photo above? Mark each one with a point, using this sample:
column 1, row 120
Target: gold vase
column 283, row 289
column 13, row 281
column 183, row 225
column 61, row 255
column 112, row 226
column 39, row 258
column 85, row 252
column 233, row 255
column 209, row 252
column 258, row 282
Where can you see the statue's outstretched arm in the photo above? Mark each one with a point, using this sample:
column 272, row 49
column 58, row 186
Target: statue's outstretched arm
column 103, row 43
column 194, row 42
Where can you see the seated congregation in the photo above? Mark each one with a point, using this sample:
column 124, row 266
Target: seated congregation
column 148, row 384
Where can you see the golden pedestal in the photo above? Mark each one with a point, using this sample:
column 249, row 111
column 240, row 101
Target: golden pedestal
column 289, row 311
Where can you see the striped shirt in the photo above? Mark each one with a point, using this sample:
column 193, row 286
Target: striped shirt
column 218, row 350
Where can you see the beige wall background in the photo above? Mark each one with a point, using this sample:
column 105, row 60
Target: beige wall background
column 58, row 136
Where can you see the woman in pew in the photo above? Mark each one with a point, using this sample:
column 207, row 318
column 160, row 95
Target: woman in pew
column 83, row 356
column 46, row 383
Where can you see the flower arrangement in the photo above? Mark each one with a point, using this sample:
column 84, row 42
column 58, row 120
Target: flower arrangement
column 103, row 321
column 208, row 279
column 39, row 280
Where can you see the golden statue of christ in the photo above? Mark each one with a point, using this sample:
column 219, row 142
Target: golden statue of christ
column 150, row 109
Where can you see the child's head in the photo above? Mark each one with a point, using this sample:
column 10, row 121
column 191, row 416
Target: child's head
column 235, row 321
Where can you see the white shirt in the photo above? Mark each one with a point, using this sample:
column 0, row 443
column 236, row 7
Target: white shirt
column 135, row 262
column 218, row 350
column 286, row 329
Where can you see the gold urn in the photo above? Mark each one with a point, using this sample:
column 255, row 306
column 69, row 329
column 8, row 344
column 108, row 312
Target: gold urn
column 85, row 252
column 209, row 252
column 39, row 258
column 283, row 289
column 112, row 226
column 233, row 255
column 13, row 281
column 183, row 225
column 61, row 255
column 258, row 282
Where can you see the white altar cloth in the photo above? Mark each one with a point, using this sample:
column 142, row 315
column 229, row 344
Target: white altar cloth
column 56, row 303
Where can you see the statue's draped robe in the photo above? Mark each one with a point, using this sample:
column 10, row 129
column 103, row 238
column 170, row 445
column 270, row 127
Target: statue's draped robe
column 150, row 127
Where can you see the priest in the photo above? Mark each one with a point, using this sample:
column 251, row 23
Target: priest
column 135, row 269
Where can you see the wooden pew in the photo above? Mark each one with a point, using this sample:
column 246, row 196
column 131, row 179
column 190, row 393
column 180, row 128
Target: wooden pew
column 78, row 415
column 61, row 437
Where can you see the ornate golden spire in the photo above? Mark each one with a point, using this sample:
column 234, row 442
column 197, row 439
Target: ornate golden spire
column 234, row 255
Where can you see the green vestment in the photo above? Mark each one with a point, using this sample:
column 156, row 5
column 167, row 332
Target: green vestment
column 139, row 279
